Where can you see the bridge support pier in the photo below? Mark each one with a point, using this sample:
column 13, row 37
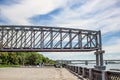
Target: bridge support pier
column 86, row 62
column 106, row 62
column 99, row 60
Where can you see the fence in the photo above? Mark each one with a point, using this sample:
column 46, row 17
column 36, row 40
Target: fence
column 93, row 74
column 112, row 75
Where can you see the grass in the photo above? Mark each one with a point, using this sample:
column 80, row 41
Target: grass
column 4, row 66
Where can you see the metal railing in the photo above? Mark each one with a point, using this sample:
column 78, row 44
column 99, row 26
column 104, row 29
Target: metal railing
column 93, row 74
column 86, row 73
column 96, row 74
column 80, row 70
column 112, row 75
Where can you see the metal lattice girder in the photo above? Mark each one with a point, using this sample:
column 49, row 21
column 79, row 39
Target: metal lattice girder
column 44, row 39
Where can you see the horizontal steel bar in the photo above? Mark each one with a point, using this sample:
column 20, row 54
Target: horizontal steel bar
column 46, row 50
column 44, row 27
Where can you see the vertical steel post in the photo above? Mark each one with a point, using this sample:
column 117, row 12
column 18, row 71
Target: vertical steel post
column 61, row 38
column 101, row 51
column 70, row 39
column 11, row 38
column 88, row 40
column 91, row 40
column 31, row 37
column 42, row 38
column 7, row 39
column 21, row 38
column 16, row 39
column 2, row 38
column 101, row 59
column 100, row 40
column 51, row 38
column 34, row 39
column 96, row 38
column 97, row 58
column 79, row 40
column 25, row 39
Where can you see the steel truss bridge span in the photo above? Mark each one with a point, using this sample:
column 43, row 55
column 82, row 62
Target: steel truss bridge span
column 48, row 39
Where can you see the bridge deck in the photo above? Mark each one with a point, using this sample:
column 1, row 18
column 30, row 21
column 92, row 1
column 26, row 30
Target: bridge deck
column 36, row 74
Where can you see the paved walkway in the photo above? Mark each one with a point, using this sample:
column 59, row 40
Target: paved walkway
column 50, row 73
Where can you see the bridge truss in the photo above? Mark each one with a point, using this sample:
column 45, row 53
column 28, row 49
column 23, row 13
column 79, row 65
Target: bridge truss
column 48, row 39
column 51, row 39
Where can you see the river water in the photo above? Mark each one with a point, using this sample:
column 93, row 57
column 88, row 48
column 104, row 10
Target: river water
column 108, row 66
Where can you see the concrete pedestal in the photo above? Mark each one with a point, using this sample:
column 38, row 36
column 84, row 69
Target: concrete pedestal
column 100, row 67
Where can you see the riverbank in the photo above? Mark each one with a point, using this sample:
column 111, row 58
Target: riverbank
column 44, row 73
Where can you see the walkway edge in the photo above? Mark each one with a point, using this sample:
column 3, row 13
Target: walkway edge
column 80, row 77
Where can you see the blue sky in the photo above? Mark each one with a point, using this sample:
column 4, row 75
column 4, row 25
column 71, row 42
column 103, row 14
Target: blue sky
column 101, row 15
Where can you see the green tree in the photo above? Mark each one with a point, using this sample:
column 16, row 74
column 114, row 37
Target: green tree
column 0, row 61
column 51, row 61
column 31, row 59
column 23, row 58
column 4, row 57
column 13, row 58
column 46, row 60
column 39, row 58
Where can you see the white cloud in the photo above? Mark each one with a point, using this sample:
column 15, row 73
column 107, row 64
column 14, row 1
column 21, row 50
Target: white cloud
column 91, row 14
column 113, row 46
column 19, row 13
column 101, row 15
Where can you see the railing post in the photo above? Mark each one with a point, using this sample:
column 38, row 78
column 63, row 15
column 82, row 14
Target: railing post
column 83, row 72
column 71, row 68
column 103, row 75
column 90, row 74
column 78, row 70
column 75, row 69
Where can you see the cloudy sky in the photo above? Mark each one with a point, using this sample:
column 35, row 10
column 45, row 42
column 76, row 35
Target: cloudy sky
column 101, row 15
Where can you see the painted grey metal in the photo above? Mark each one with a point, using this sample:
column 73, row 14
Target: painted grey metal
column 97, row 59
column 48, row 39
